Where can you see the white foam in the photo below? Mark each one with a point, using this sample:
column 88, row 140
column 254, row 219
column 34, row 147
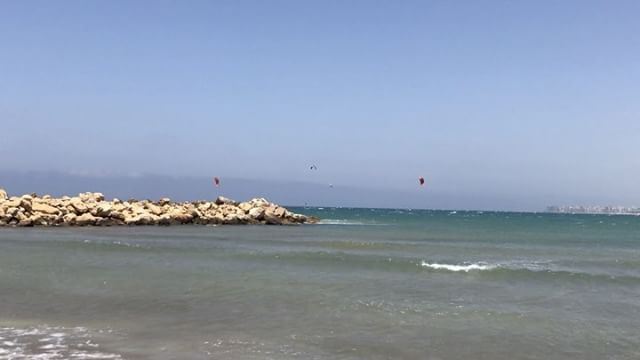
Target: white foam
column 98, row 355
column 48, row 343
column 456, row 268
column 347, row 222
column 339, row 222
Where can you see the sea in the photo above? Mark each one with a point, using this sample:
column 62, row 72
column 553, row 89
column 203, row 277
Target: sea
column 361, row 284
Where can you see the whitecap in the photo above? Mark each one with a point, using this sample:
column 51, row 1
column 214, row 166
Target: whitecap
column 339, row 222
column 456, row 268
column 97, row 355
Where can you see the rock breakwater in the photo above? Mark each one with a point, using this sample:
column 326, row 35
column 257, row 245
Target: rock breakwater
column 91, row 209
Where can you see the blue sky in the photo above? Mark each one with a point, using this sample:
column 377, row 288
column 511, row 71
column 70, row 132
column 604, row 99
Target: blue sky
column 511, row 99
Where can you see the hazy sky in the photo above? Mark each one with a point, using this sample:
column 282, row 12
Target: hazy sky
column 512, row 99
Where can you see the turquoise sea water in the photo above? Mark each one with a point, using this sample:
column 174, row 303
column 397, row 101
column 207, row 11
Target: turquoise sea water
column 363, row 284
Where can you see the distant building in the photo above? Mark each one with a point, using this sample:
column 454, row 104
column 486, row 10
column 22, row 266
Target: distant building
column 580, row 209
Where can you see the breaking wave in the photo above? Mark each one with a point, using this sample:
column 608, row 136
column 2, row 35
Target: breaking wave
column 456, row 268
column 344, row 222
column 534, row 271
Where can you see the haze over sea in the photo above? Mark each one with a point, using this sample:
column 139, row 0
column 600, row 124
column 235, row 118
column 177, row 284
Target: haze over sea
column 363, row 284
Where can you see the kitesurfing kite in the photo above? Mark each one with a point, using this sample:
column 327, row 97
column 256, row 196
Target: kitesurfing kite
column 313, row 167
column 421, row 181
column 216, row 181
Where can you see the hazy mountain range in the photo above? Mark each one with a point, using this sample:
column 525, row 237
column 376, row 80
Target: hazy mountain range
column 146, row 186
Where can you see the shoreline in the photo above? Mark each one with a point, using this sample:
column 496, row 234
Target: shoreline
column 91, row 209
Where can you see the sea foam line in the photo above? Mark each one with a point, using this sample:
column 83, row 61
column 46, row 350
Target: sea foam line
column 456, row 268
column 345, row 222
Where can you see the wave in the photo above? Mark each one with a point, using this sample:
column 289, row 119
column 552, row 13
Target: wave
column 456, row 268
column 355, row 255
column 532, row 271
column 344, row 222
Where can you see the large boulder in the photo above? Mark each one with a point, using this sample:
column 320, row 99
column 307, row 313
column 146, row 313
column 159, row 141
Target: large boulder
column 259, row 202
column 180, row 217
column 280, row 212
column 271, row 219
column 245, row 206
column 91, row 197
column 11, row 211
column 78, row 205
column 154, row 209
column 205, row 206
column 20, row 215
column 246, row 219
column 25, row 222
column 231, row 219
column 118, row 207
column 117, row 215
column 137, row 208
column 45, row 219
column 191, row 210
column 165, row 219
column 12, row 202
column 103, row 209
column 108, row 222
column 69, row 219
column 44, row 208
column 86, row 219
column 142, row 219
column 257, row 213
column 276, row 211
column 221, row 200
column 164, row 201
column 217, row 218
column 37, row 220
column 275, row 215
column 3, row 195
column 299, row 218
column 26, row 202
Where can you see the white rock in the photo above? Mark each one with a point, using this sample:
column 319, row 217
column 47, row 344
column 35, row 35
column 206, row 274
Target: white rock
column 226, row 201
column 262, row 202
column 86, row 219
column 78, row 205
column 44, row 208
column 257, row 213
column 103, row 209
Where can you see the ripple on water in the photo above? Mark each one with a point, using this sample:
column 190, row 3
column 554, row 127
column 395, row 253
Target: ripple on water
column 44, row 343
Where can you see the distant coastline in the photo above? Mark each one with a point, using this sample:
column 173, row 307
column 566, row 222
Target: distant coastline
column 91, row 209
column 603, row 210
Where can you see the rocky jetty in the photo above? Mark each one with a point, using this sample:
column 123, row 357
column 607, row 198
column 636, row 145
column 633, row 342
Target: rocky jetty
column 91, row 209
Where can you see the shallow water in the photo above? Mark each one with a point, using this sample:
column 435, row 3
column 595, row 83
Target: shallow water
column 364, row 284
